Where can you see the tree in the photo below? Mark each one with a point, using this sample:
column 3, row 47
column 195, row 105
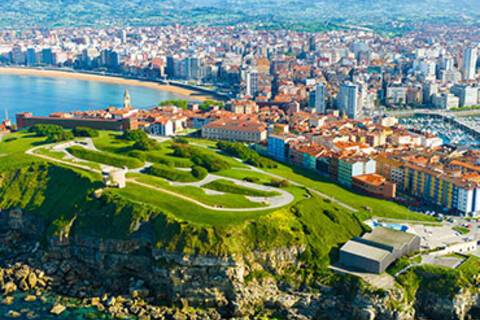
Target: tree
column 54, row 133
column 85, row 132
column 145, row 144
column 179, row 103
column 134, row 135
column 207, row 104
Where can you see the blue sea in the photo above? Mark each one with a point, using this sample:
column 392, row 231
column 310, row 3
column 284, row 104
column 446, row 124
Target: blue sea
column 40, row 310
column 44, row 95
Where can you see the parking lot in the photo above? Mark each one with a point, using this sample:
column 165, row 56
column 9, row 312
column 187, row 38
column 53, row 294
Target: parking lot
column 437, row 236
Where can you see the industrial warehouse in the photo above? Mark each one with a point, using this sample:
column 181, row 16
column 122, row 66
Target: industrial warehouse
column 375, row 251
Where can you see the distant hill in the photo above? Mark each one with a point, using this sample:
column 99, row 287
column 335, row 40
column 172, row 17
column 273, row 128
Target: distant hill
column 306, row 14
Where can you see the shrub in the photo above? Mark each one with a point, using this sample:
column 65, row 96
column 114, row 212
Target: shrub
column 206, row 159
column 53, row 132
column 105, row 158
column 182, row 151
column 134, row 135
column 60, row 136
column 240, row 150
column 251, row 179
column 210, row 162
column 142, row 141
column 230, row 187
column 85, row 132
column 145, row 144
column 179, row 103
column 44, row 130
column 170, row 173
column 207, row 104
column 199, row 172
column 279, row 183
column 180, row 140
column 156, row 158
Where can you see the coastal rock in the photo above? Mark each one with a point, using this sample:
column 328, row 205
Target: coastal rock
column 30, row 298
column 9, row 287
column 23, row 285
column 13, row 314
column 8, row 300
column 32, row 280
column 58, row 309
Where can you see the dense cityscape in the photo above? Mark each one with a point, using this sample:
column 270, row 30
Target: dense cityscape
column 326, row 172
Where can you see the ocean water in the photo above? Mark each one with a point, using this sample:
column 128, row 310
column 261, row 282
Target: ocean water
column 40, row 310
column 44, row 95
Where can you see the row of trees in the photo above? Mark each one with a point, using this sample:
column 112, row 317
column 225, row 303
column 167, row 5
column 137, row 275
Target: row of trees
column 55, row 133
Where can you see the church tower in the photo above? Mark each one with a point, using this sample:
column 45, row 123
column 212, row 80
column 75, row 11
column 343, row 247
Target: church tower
column 127, row 102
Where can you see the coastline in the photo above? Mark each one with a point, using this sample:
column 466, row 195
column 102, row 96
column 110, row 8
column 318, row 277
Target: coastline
column 67, row 74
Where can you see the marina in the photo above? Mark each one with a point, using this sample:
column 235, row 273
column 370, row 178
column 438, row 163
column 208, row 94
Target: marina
column 454, row 131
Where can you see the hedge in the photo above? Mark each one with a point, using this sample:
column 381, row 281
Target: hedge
column 240, row 150
column 105, row 157
column 156, row 158
column 230, row 187
column 208, row 160
column 85, row 132
column 171, row 174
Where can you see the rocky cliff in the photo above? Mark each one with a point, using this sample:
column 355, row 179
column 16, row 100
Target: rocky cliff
column 234, row 286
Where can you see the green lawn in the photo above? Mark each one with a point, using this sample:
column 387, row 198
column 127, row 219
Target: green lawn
column 461, row 230
column 61, row 156
column 378, row 207
column 106, row 158
column 185, row 210
column 241, row 174
column 171, row 174
column 110, row 141
column 13, row 147
column 50, row 153
column 224, row 201
column 230, row 187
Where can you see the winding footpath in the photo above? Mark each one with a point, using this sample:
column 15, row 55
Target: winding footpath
column 282, row 200
column 272, row 175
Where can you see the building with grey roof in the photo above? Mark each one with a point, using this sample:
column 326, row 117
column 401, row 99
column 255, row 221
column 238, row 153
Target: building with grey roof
column 375, row 251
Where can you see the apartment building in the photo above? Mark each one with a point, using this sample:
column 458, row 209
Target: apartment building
column 238, row 130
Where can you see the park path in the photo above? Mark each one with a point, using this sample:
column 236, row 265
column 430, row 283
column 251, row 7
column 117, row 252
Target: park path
column 318, row 193
column 277, row 202
column 286, row 196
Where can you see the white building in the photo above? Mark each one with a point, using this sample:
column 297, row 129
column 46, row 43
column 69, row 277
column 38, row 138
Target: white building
column 251, row 83
column 468, row 200
column 470, row 56
column 445, row 101
column 347, row 100
column 162, row 127
column 318, row 99
column 396, row 95
column 468, row 95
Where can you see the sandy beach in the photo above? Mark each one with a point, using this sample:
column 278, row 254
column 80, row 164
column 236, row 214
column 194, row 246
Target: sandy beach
column 188, row 94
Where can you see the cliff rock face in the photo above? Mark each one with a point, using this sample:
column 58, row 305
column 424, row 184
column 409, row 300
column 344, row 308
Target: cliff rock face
column 195, row 280
column 228, row 284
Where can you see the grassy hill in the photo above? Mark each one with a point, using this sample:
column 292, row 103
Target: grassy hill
column 64, row 197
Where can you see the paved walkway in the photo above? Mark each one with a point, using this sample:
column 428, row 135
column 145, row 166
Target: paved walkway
column 281, row 200
column 287, row 199
column 275, row 202
column 318, row 193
